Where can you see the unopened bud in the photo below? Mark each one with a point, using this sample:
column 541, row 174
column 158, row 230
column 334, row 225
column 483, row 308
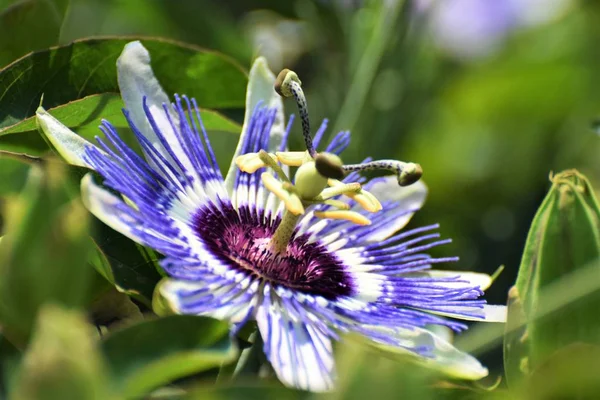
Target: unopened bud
column 563, row 243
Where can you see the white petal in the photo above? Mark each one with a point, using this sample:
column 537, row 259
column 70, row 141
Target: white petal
column 232, row 311
column 489, row 313
column 104, row 206
column 300, row 353
column 473, row 278
column 136, row 80
column 260, row 89
column 69, row 145
column 409, row 198
column 445, row 357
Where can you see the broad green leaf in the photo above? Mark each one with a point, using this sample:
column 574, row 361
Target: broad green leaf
column 130, row 267
column 80, row 114
column 155, row 352
column 85, row 115
column 30, row 25
column 62, row 360
column 87, row 67
column 29, row 142
column 43, row 255
column 564, row 238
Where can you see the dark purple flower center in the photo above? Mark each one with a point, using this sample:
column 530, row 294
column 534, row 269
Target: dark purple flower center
column 242, row 241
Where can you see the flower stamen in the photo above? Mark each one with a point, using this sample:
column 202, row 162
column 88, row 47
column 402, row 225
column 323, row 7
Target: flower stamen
column 342, row 188
column 351, row 216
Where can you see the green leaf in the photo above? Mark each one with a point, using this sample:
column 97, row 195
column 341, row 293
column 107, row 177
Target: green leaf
column 564, row 238
column 30, row 25
column 85, row 115
column 62, row 361
column 114, row 307
column 79, row 115
column 132, row 268
column 43, row 256
column 152, row 353
column 87, row 67
column 569, row 373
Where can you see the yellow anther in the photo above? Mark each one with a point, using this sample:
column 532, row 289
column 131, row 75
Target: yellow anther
column 351, row 216
column 340, row 205
column 337, row 204
column 291, row 200
column 251, row 162
column 343, row 188
column 293, row 158
column 366, row 200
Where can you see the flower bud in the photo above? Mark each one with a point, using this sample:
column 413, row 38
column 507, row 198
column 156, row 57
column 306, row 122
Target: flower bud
column 563, row 241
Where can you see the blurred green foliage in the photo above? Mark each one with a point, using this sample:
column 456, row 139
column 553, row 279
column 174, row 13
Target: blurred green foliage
column 487, row 132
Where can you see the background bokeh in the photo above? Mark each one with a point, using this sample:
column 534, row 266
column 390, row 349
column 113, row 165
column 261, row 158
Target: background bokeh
column 489, row 96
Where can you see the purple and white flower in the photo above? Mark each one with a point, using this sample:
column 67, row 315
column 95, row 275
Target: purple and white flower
column 250, row 246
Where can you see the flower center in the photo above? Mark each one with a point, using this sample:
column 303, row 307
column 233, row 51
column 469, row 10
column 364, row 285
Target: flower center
column 241, row 240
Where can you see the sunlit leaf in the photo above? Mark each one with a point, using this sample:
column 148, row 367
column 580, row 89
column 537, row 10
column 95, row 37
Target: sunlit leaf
column 155, row 352
column 87, row 67
column 85, row 115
